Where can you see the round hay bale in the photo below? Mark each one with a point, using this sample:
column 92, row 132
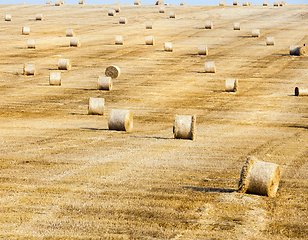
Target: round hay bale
column 123, row 20
column 284, row 3
column 39, row 17
column 235, row 3
column 270, row 41
column 29, row 69
column 112, row 71
column 210, row 67
column 149, row 25
column 8, row 17
column 256, row 33
column 117, row 9
column 96, row 106
column 49, row 2
column 161, row 10
column 303, row 51
column 259, row 177
column 265, row 3
column 57, row 3
column 203, row 50
column 183, row 4
column 111, row 12
column 168, row 47
column 62, row 2
column 64, row 64
column 75, row 42
column 184, row 127
column 245, row 4
column 121, row 120
column 236, row 26
column 119, row 40
column 31, row 43
column 301, row 91
column 81, row 1
column 276, row 4
column 294, row 50
column 172, row 15
column 231, row 85
column 159, row 3
column 55, row 78
column 222, row 3
column 104, row 83
column 136, row 2
column 70, row 33
column 25, row 31
column 208, row 25
column 149, row 40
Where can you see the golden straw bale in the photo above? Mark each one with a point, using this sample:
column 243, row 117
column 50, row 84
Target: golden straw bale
column 25, row 31
column 39, row 17
column 231, row 85
column 55, row 78
column 149, row 25
column 113, row 71
column 29, row 69
column 70, row 33
column 210, row 67
column 121, row 120
column 184, row 127
column 149, row 40
column 75, row 42
column 203, row 50
column 270, row 41
column 168, row 47
column 96, row 106
column 8, row 17
column 64, row 64
column 31, row 43
column 104, row 83
column 208, row 25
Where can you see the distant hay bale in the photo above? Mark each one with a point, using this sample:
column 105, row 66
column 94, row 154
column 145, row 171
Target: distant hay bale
column 149, row 25
column 81, row 1
column 265, row 3
column 276, row 4
column 236, row 26
column 259, row 177
column 270, row 41
column 39, row 17
column 159, row 3
column 183, row 4
column 203, row 50
column 283, row 3
column 119, row 40
column 149, row 40
column 117, row 3
column 222, row 3
column 184, row 127
column 168, row 47
column 8, row 17
column 113, row 71
column 136, row 2
column 235, row 3
column 55, row 78
column 75, row 42
column 121, row 120
column 303, row 51
column 255, row 33
column 29, row 69
column 31, row 43
column 49, row 2
column 57, row 3
column 62, row 2
column 210, row 67
column 231, row 85
column 245, row 4
column 294, row 50
column 25, row 31
column 96, row 106
column 111, row 12
column 172, row 15
column 122, row 20
column 161, row 10
column 117, row 9
column 104, row 83
column 64, row 64
column 208, row 25
column 301, row 91
column 70, row 33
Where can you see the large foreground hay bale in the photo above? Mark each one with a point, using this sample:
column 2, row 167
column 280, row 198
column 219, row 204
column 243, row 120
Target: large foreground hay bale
column 210, row 67
column 8, row 17
column 111, row 12
column 122, row 20
column 203, row 50
column 259, row 177
column 172, row 15
column 208, row 25
column 301, row 91
column 119, row 40
column 255, row 33
column 161, row 10
column 149, row 40
column 113, row 71
column 121, row 120
column 168, row 47
column 64, row 64
column 236, row 26
column 159, row 3
column 31, row 43
column 149, row 25
column 96, row 106
column 231, row 85
column 222, row 3
column 25, row 31
column 70, row 33
column 75, row 42
column 104, row 83
column 294, row 50
column 29, row 69
column 270, row 41
column 55, row 78
column 184, row 127
column 39, row 17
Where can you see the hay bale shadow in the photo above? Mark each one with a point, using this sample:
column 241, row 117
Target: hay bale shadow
column 220, row 190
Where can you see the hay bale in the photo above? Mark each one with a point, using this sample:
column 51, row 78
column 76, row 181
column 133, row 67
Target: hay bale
column 57, row 3
column 256, row 33
column 172, row 15
column 104, row 83
column 161, row 10
column 303, row 51
column 284, row 3
column 117, row 9
column 294, row 50
column 117, row 3
column 231, row 85
column 149, row 25
column 119, row 40
column 25, row 31
column 39, row 17
column 236, row 26
column 210, row 67
column 81, row 1
column 29, row 69
column 8, row 17
column 55, row 78
column 122, row 20
column 159, row 3
column 265, row 3
column 70, row 33
column 208, row 25
column 183, row 4
column 259, row 177
column 31, row 43
column 276, row 4
column 222, row 3
column 62, row 2
column 270, row 41
column 136, row 2
column 49, row 2
column 111, row 12
column 301, row 91
column 149, row 40
column 246, row 4
column 235, row 3
column 113, row 71
column 75, row 42
column 64, row 64
column 121, row 120
column 203, row 50
column 168, row 47
column 184, row 127
column 96, row 106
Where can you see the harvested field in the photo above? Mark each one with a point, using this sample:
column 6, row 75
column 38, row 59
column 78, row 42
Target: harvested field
column 64, row 174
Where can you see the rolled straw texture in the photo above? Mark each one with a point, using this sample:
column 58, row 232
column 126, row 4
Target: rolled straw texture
column 301, row 91
column 29, row 69
column 168, row 47
column 121, row 120
column 231, row 85
column 113, row 71
column 210, row 67
column 149, row 40
column 64, row 64
column 203, row 50
column 96, row 106
column 184, row 127
column 104, row 83
column 75, row 42
column 55, row 78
